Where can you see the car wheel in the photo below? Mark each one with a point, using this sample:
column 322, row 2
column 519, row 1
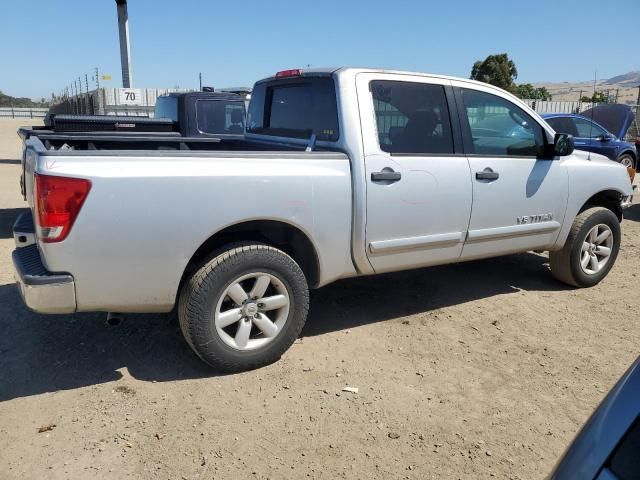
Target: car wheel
column 244, row 308
column 591, row 249
column 627, row 160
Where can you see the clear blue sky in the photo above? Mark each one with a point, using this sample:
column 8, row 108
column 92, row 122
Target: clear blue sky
column 45, row 44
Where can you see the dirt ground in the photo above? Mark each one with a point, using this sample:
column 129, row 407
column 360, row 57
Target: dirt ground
column 478, row 370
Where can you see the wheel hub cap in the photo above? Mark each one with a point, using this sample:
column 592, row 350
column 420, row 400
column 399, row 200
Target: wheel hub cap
column 596, row 249
column 252, row 311
column 249, row 310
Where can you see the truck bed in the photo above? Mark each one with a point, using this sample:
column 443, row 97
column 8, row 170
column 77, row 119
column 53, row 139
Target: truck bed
column 149, row 211
column 107, row 140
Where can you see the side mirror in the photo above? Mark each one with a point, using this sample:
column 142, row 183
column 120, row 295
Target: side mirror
column 563, row 144
column 604, row 138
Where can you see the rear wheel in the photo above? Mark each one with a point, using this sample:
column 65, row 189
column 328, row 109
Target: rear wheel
column 244, row 308
column 591, row 249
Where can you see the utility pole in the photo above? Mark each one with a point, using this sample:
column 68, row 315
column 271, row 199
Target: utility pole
column 200, row 77
column 125, row 48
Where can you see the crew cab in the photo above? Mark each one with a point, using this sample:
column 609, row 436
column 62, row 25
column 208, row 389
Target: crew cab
column 342, row 172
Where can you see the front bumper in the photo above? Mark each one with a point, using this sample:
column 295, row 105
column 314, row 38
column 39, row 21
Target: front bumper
column 41, row 290
column 628, row 200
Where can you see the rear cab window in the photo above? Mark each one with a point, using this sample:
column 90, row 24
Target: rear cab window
column 295, row 108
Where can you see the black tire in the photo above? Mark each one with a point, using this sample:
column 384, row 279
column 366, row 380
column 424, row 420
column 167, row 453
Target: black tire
column 565, row 263
column 202, row 292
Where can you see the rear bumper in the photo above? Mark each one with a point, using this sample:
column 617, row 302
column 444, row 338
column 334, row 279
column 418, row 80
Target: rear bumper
column 41, row 290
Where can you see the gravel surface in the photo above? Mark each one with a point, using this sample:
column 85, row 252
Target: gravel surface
column 478, row 370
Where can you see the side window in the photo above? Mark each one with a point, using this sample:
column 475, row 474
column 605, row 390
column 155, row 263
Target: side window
column 587, row 129
column 219, row 117
column 412, row 117
column 234, row 118
column 499, row 127
column 563, row 125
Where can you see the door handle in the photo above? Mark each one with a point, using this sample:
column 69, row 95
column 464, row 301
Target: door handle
column 386, row 175
column 487, row 174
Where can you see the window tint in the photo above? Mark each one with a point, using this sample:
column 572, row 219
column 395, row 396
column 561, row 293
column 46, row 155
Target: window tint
column 563, row 125
column 587, row 129
column 624, row 461
column 295, row 109
column 412, row 117
column 167, row 107
column 220, row 117
column 499, row 127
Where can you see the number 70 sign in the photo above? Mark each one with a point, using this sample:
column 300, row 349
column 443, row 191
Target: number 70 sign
column 130, row 96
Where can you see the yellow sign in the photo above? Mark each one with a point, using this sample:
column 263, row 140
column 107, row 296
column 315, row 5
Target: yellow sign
column 106, row 77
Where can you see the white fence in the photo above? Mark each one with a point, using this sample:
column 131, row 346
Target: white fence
column 11, row 112
column 113, row 101
column 551, row 106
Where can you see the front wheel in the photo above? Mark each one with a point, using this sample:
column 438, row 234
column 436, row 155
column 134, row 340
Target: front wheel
column 591, row 249
column 627, row 160
column 244, row 308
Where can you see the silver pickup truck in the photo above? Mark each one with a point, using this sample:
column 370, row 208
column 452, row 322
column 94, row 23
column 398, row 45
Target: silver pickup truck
column 342, row 172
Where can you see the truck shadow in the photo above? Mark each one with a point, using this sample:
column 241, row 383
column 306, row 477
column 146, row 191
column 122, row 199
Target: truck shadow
column 632, row 213
column 356, row 302
column 47, row 353
column 7, row 218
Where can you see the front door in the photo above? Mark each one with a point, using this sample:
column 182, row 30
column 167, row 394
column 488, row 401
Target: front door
column 519, row 198
column 594, row 138
column 418, row 182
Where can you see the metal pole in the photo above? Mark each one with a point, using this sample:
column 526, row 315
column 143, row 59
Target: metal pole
column 200, row 77
column 125, row 49
column 86, row 82
column 97, row 80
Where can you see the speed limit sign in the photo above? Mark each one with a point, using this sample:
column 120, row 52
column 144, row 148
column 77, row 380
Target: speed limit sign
column 130, row 96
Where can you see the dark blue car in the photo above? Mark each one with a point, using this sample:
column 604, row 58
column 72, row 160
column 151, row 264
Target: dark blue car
column 608, row 446
column 601, row 135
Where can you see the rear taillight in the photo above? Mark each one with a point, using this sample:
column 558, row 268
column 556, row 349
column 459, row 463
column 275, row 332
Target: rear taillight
column 58, row 201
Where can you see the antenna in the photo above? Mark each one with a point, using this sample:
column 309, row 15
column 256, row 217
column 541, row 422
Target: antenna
column 593, row 101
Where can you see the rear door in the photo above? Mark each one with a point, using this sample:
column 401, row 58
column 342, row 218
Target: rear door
column 519, row 197
column 417, row 177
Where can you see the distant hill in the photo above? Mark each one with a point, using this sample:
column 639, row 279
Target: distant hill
column 9, row 101
column 631, row 79
column 625, row 86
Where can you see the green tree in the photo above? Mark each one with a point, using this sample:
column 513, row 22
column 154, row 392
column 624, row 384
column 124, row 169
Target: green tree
column 9, row 101
column 497, row 70
column 528, row 91
column 597, row 97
